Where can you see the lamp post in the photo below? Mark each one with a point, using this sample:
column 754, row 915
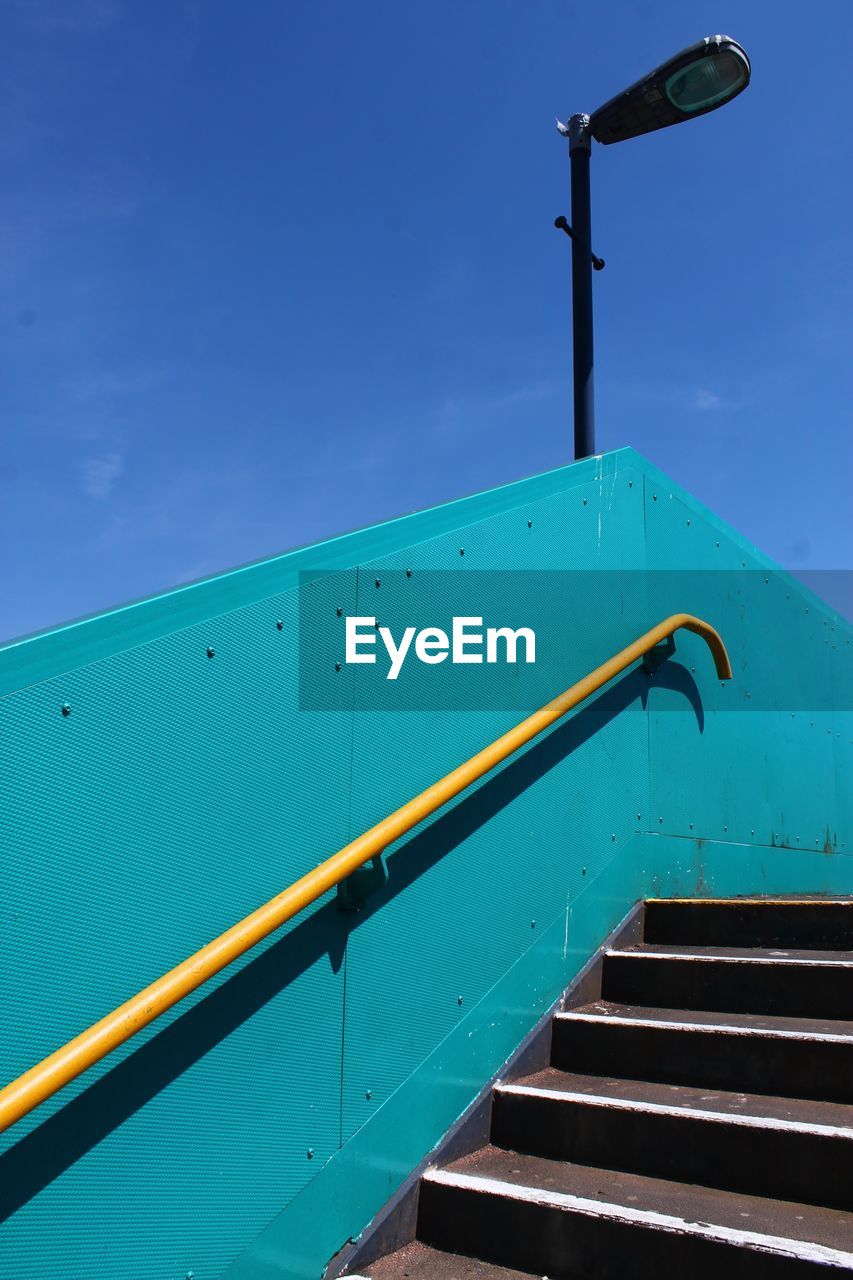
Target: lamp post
column 699, row 79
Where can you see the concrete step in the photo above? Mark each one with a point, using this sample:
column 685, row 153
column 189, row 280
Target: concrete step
column 697, row 1119
column 774, row 1107
column 418, row 1262
column 734, row 1144
column 568, row 1221
column 798, row 984
column 803, row 1058
column 758, row 922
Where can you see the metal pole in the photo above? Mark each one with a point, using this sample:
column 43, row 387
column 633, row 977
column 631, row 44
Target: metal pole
column 579, row 150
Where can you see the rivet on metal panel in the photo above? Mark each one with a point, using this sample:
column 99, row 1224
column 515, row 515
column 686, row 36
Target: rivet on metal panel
column 654, row 497
column 339, row 611
column 368, row 1095
column 613, row 837
column 583, row 871
column 408, row 573
column 638, row 817
column 66, row 709
column 584, row 502
column 337, row 666
column 377, row 583
column 688, row 522
column 461, row 551
column 725, row 828
column 211, row 653
column 279, row 626
column 310, row 1153
column 376, row 625
column 660, row 819
column 533, row 924
column 530, row 524
column 717, row 545
column 458, row 999
column 630, row 484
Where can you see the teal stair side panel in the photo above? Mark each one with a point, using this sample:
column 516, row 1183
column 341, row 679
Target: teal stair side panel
column 503, row 864
column 179, row 793
column 771, row 766
column 842, row 687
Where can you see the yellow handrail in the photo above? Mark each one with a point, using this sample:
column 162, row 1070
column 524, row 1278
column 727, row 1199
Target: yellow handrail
column 55, row 1071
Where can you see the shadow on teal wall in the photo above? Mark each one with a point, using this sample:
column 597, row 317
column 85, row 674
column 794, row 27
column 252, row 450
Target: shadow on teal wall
column 259, row 1125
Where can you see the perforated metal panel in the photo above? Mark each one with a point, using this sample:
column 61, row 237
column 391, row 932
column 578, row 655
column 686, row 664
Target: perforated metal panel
column 179, row 792
column 768, row 764
column 508, row 858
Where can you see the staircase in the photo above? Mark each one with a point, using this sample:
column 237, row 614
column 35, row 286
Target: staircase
column 697, row 1119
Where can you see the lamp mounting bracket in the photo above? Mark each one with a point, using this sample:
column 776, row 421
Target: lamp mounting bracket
column 562, row 224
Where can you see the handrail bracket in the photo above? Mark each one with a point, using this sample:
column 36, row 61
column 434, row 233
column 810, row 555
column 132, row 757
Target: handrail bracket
column 362, row 884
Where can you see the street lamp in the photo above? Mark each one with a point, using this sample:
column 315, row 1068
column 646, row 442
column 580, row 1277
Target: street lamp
column 699, row 79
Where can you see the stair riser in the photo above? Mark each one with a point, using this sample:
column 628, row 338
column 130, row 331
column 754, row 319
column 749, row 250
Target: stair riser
column 708, row 1059
column 806, row 926
column 766, row 1162
column 572, row 1246
column 796, row 991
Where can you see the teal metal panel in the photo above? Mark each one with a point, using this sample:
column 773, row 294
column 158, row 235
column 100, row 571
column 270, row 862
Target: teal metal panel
column 767, row 766
column 179, row 793
column 504, row 862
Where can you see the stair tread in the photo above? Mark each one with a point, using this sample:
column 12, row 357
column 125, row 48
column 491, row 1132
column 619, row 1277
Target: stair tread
column 420, row 1262
column 689, row 1098
column 685, row 951
column 769, row 903
column 830, row 1228
column 808, row 924
column 738, row 1021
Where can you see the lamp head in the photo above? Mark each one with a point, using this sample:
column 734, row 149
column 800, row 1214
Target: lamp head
column 699, row 79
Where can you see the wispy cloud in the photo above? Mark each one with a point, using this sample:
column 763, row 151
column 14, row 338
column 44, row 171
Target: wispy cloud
column 100, row 475
column 105, row 385
column 693, row 399
column 474, row 409
column 705, row 400
column 35, row 221
column 68, row 15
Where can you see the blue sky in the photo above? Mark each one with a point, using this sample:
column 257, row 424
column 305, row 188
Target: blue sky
column 272, row 270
